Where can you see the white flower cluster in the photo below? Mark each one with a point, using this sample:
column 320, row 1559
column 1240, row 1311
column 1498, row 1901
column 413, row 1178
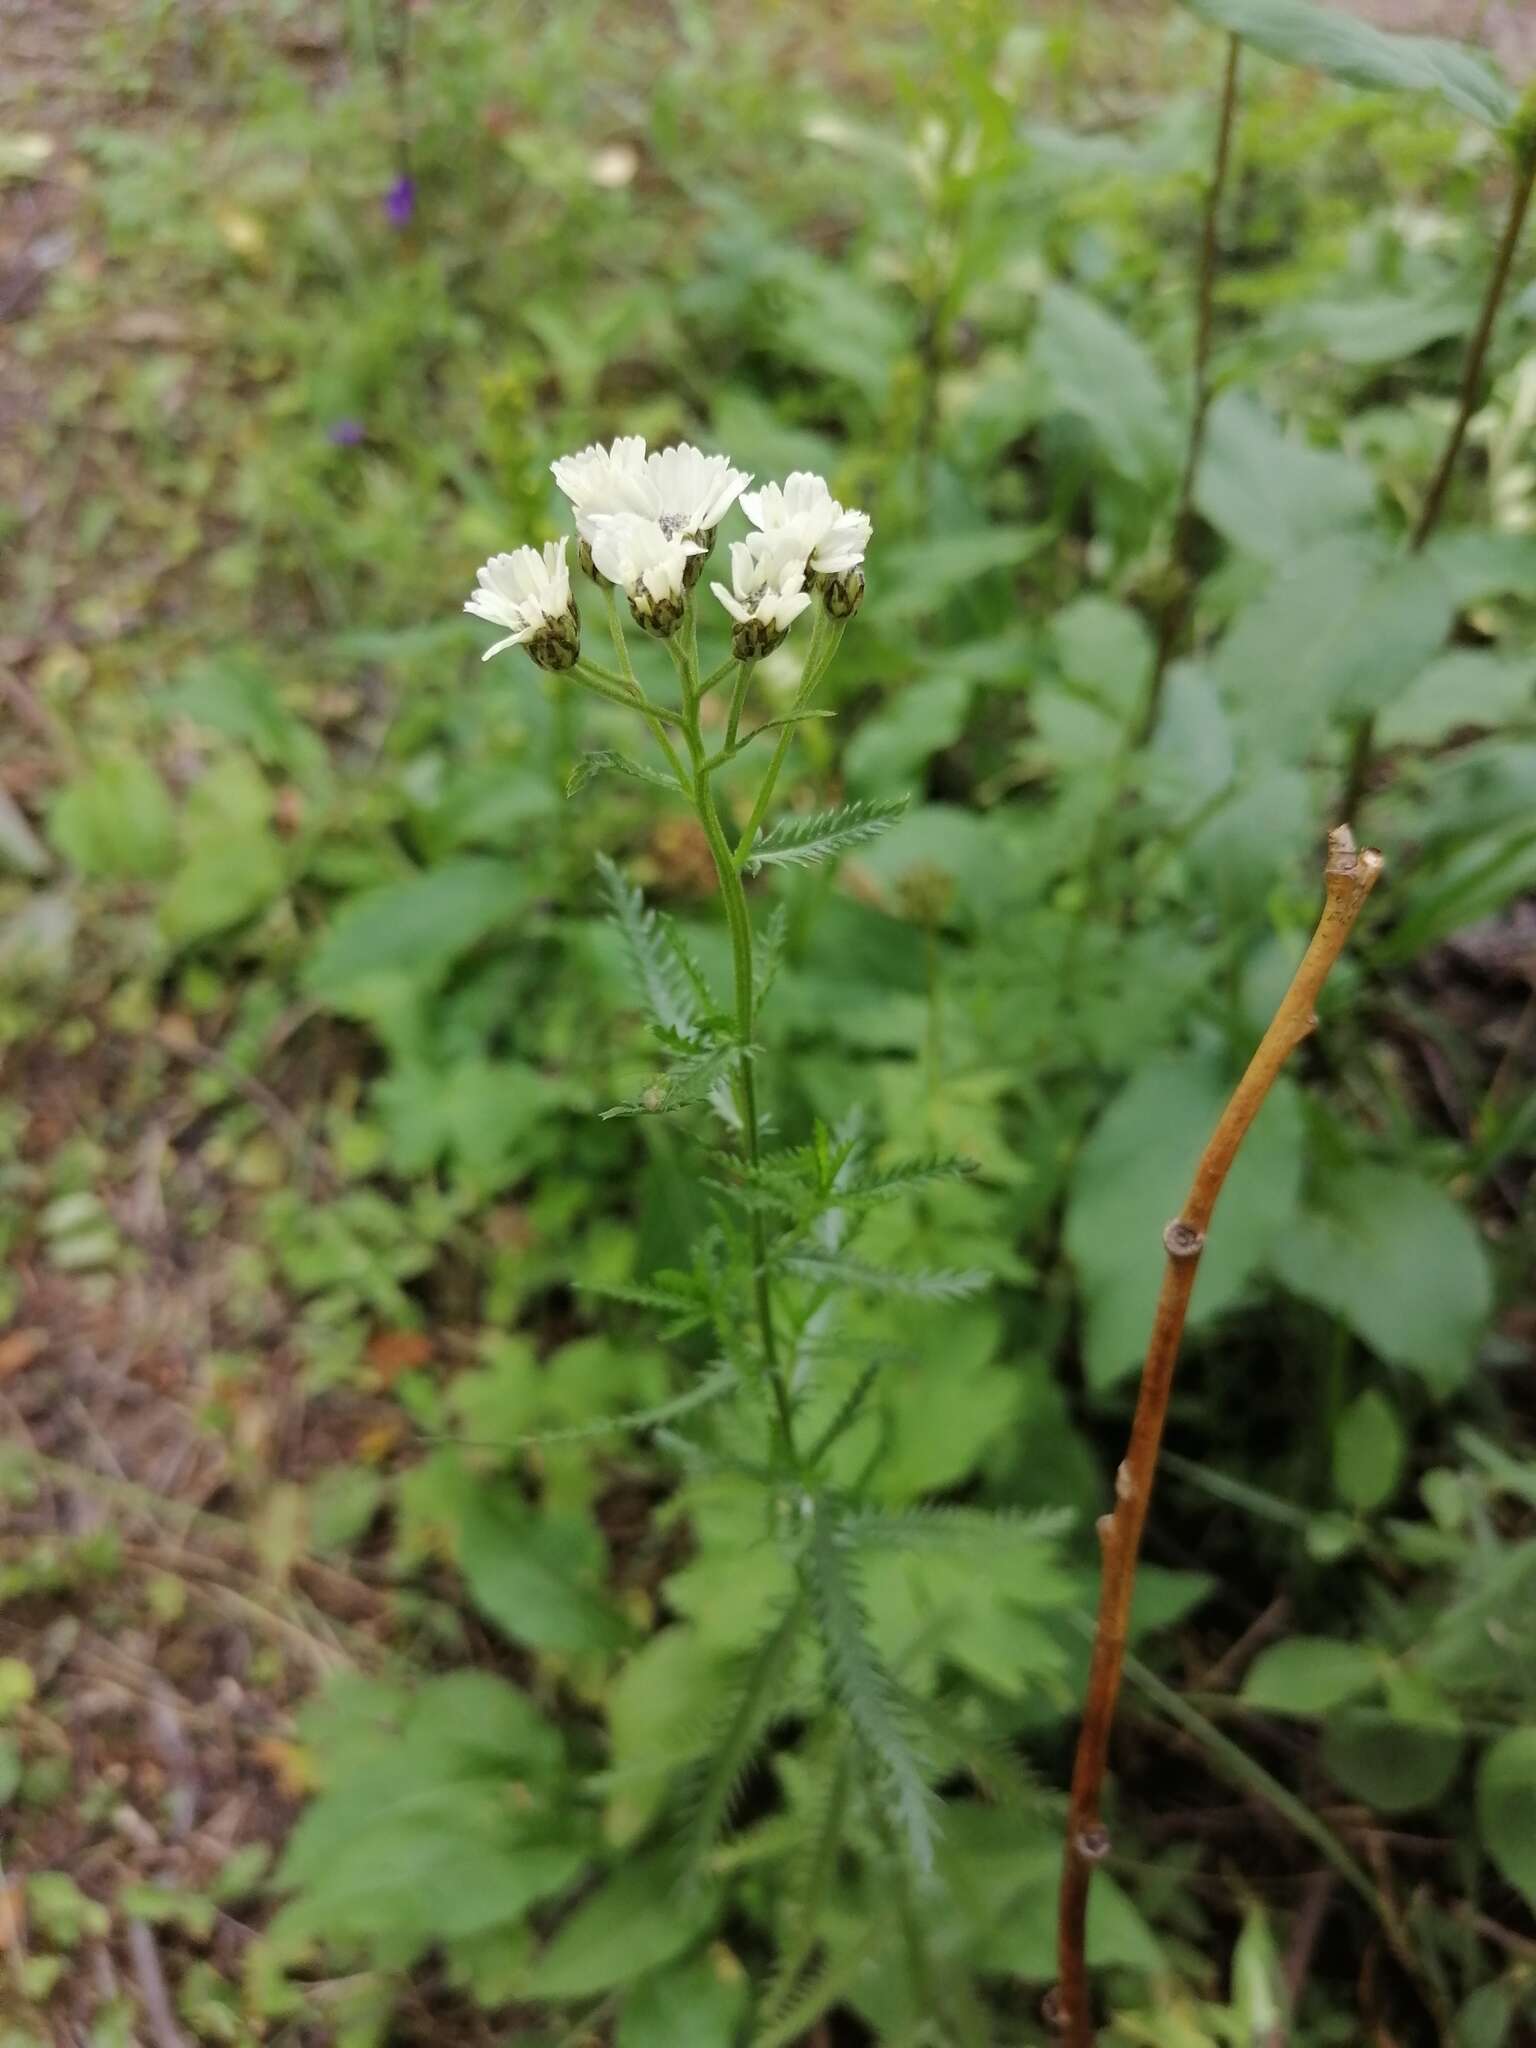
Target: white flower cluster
column 646, row 523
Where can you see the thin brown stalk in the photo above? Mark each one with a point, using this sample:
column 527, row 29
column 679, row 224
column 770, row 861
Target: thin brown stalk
column 1362, row 745
column 1176, row 609
column 1349, row 878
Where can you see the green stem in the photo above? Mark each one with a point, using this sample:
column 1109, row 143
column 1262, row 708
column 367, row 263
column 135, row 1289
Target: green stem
column 738, row 920
column 826, row 636
column 653, row 714
column 738, row 702
column 717, row 675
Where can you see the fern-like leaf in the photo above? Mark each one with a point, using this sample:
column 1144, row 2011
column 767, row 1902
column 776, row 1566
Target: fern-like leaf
column 769, row 950
column 865, row 1190
column 691, row 1079
column 847, row 1412
column 866, row 1689
column 801, row 842
column 684, row 1312
column 605, row 761
column 754, row 1695
column 663, row 983
column 993, row 1766
column 712, row 1388
column 972, row 1531
column 812, row 1871
column 834, row 1270
column 833, row 1980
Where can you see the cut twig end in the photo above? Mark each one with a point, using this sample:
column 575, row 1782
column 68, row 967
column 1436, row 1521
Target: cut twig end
column 1349, row 862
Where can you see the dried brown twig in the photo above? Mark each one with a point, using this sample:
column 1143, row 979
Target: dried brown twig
column 1349, row 876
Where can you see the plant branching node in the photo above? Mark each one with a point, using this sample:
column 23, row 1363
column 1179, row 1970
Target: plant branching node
column 1182, row 1241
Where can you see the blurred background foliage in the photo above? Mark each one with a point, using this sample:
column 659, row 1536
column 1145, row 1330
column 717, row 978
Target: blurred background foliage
column 308, row 1009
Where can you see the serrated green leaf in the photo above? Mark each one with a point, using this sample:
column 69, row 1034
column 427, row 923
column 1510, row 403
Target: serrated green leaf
column 607, row 761
column 832, row 1270
column 754, row 1689
column 663, row 980
column 970, row 1530
column 824, row 835
column 867, row 1691
column 687, row 1081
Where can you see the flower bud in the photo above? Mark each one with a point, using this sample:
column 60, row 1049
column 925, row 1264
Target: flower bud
column 661, row 615
column 588, row 567
column 704, row 542
column 752, row 638
column 842, row 594
column 557, row 643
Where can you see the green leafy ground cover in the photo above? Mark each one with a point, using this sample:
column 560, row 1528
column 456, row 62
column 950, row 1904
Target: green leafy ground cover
column 335, row 1709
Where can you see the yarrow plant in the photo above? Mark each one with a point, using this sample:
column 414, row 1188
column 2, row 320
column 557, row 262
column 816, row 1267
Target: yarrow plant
column 770, row 1280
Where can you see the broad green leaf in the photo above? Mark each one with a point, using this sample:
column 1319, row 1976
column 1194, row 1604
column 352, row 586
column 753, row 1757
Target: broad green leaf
column 1310, row 1674
column 1469, row 687
column 1270, row 493
column 1131, row 1177
column 636, row 1921
column 1399, row 1261
column 1368, row 1451
column 1506, row 1808
column 1485, row 2017
column 1379, row 327
column 891, row 750
column 1393, row 1765
column 1106, row 649
column 233, row 693
column 699, row 2003
column 408, row 934
column 1479, row 564
column 1191, row 759
column 917, row 577
column 1341, row 631
column 114, row 821
column 535, row 1577
column 1097, row 369
column 224, row 878
column 1332, row 40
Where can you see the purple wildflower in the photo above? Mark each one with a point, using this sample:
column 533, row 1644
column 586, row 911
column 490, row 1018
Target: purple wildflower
column 400, row 202
column 346, row 433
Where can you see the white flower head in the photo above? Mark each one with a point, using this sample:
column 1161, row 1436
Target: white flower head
column 835, row 536
column 600, row 479
column 689, row 492
column 530, row 594
column 767, row 591
column 649, row 565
